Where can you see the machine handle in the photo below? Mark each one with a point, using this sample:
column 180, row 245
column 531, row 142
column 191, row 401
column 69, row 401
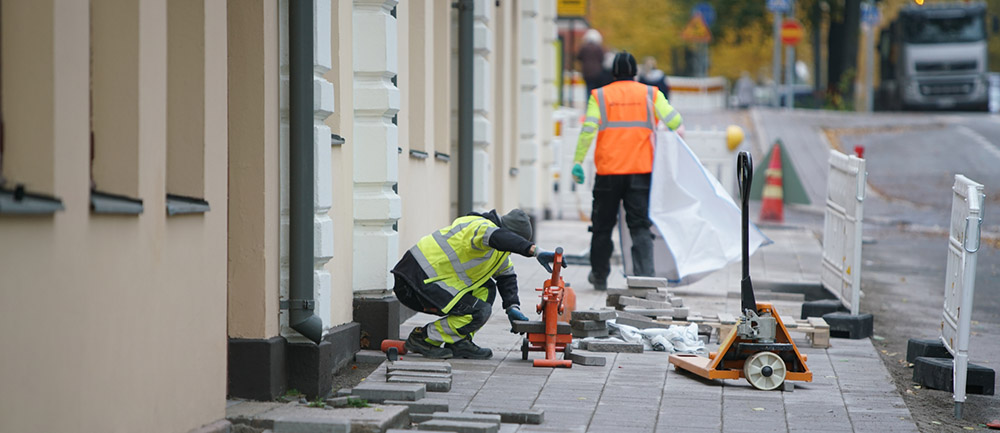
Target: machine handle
column 744, row 175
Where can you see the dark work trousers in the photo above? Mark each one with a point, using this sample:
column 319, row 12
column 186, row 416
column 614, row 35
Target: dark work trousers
column 610, row 192
column 479, row 309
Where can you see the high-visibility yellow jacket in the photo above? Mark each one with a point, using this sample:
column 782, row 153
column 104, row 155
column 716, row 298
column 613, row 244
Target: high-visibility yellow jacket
column 623, row 115
column 458, row 259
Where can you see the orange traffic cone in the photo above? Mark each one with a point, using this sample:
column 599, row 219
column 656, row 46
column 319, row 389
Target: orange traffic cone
column 772, row 198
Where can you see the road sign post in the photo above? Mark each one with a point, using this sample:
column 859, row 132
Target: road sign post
column 869, row 19
column 791, row 34
column 696, row 31
column 777, row 8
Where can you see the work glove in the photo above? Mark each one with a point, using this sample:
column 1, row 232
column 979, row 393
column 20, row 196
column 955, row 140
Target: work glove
column 514, row 314
column 546, row 258
column 578, row 173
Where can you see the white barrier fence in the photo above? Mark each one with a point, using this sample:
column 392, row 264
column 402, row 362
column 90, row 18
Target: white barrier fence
column 709, row 145
column 960, row 281
column 845, row 195
column 690, row 94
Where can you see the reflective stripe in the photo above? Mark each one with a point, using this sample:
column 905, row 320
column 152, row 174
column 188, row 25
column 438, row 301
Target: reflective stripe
column 456, row 264
column 604, row 110
column 627, row 124
column 588, row 128
column 489, row 233
column 670, row 117
column 649, row 106
column 472, row 241
column 593, row 120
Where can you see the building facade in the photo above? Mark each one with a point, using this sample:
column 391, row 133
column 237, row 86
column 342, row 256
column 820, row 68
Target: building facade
column 151, row 191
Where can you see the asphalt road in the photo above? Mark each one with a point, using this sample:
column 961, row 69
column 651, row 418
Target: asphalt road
column 911, row 161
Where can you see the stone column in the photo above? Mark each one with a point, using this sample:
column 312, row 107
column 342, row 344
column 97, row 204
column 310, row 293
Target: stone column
column 528, row 153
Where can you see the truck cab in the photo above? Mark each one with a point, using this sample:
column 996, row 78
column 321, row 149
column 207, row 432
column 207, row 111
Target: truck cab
column 934, row 57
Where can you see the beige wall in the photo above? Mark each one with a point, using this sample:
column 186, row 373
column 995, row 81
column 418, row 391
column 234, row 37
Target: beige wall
column 253, row 169
column 424, row 119
column 342, row 163
column 112, row 323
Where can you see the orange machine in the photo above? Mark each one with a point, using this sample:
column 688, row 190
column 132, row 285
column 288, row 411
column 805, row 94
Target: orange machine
column 758, row 348
column 551, row 341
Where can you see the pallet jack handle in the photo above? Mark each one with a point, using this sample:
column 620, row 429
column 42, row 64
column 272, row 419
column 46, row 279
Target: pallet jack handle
column 744, row 174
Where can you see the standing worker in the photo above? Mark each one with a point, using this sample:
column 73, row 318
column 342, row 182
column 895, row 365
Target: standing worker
column 621, row 114
column 451, row 273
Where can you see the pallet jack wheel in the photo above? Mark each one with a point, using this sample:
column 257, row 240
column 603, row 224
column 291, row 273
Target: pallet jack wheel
column 524, row 348
column 765, row 370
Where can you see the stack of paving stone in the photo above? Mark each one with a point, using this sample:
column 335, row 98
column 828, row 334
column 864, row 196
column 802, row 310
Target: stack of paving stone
column 480, row 421
column 593, row 326
column 436, row 376
column 647, row 297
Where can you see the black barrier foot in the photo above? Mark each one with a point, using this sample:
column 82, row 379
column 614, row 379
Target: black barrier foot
column 821, row 307
column 847, row 325
column 936, row 373
column 929, row 348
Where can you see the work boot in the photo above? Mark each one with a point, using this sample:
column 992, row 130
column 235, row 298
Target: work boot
column 467, row 349
column 417, row 343
column 598, row 284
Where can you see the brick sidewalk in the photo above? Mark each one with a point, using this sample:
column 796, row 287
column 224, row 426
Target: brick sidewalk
column 851, row 389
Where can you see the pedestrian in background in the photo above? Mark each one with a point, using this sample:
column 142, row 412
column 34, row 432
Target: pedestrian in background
column 744, row 90
column 591, row 56
column 623, row 116
column 456, row 273
column 650, row 75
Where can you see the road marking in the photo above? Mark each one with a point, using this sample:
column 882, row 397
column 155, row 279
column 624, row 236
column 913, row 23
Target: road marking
column 988, row 146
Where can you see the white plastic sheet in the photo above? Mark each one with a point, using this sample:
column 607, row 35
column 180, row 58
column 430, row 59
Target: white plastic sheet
column 674, row 339
column 696, row 218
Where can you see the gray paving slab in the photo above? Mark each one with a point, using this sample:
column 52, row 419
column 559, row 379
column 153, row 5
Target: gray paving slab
column 645, row 390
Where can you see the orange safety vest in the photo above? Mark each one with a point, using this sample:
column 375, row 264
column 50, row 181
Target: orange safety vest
column 625, row 134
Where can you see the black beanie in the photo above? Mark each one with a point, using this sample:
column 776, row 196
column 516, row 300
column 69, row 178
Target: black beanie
column 624, row 66
column 518, row 222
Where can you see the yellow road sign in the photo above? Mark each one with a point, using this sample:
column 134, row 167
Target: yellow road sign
column 696, row 30
column 571, row 8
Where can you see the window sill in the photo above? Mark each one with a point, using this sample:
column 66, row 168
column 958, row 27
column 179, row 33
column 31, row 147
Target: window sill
column 105, row 203
column 181, row 205
column 20, row 202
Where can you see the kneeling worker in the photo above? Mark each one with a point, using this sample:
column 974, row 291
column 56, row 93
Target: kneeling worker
column 456, row 273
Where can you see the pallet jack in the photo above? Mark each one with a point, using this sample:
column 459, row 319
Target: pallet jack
column 759, row 347
column 550, row 341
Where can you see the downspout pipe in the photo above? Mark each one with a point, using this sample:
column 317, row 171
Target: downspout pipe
column 465, row 108
column 301, row 308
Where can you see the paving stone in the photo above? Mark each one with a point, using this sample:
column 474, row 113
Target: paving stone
column 645, row 282
column 312, row 426
column 585, row 359
column 600, row 333
column 377, row 392
column 488, row 418
column 680, row 313
column 430, row 367
column 424, row 405
column 644, row 303
column 641, row 323
column 432, row 384
column 588, row 325
column 528, row 416
column 638, row 293
column 344, row 392
column 602, row 314
column 658, row 296
column 458, row 426
column 423, row 374
column 650, row 312
column 369, row 357
column 538, row 327
column 614, row 346
column 677, row 302
column 337, row 401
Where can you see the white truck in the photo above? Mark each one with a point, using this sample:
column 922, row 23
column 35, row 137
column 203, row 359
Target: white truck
column 934, row 57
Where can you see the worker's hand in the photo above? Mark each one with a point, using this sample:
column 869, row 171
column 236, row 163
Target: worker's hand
column 546, row 258
column 514, row 314
column 578, row 173
column 680, row 130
